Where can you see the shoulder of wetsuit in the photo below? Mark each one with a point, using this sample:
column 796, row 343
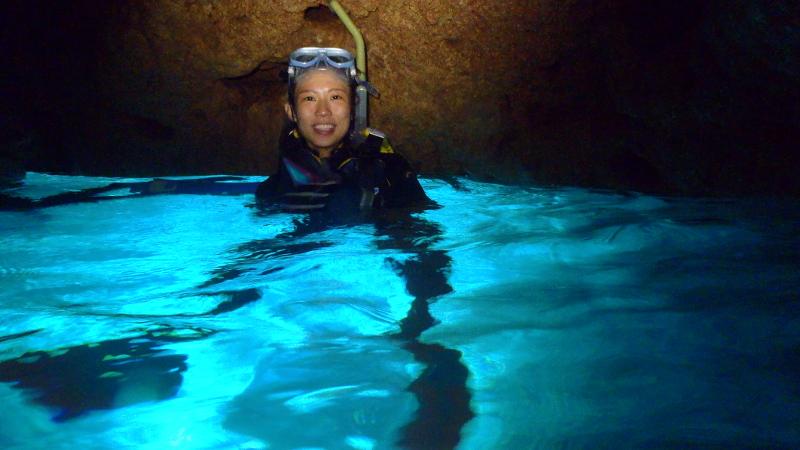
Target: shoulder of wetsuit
column 374, row 143
column 292, row 145
column 377, row 145
column 402, row 187
column 361, row 162
column 269, row 189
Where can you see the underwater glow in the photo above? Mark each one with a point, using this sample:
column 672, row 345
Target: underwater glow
column 558, row 318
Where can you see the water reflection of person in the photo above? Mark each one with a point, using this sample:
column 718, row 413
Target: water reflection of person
column 326, row 164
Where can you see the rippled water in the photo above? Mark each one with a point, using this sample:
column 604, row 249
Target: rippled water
column 509, row 318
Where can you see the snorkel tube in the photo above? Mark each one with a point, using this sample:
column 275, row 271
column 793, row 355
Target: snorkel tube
column 362, row 89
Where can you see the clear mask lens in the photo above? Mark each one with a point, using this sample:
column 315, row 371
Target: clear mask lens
column 339, row 59
column 306, row 58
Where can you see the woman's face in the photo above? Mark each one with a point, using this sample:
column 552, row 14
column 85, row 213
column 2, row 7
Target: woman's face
column 323, row 109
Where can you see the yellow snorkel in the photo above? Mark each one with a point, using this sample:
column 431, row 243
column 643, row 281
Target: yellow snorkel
column 362, row 90
column 361, row 56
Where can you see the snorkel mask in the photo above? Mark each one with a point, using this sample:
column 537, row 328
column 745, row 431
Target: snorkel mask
column 340, row 60
column 316, row 57
column 311, row 58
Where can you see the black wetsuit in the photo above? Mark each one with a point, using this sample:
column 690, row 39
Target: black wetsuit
column 371, row 175
column 368, row 176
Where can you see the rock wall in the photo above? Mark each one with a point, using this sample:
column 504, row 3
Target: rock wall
column 662, row 96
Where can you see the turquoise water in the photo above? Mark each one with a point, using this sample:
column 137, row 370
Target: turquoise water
column 509, row 318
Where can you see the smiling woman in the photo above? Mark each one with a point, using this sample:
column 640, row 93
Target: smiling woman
column 328, row 163
column 322, row 111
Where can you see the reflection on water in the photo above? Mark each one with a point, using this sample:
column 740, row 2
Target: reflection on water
column 506, row 318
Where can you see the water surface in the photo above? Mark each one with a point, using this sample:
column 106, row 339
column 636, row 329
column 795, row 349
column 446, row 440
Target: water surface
column 508, row 318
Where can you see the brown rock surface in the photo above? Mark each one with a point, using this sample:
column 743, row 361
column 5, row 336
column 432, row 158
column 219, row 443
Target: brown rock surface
column 674, row 96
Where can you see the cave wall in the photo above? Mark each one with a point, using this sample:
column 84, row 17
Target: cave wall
column 662, row 96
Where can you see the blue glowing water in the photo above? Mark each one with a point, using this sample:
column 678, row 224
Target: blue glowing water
column 564, row 318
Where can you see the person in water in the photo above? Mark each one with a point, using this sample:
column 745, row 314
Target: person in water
column 325, row 162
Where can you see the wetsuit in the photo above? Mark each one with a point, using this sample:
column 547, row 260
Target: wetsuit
column 368, row 176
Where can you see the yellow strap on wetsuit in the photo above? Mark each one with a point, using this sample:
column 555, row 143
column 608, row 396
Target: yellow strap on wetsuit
column 386, row 147
column 344, row 163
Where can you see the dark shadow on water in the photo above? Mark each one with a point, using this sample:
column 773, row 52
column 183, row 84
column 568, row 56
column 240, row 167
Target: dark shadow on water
column 217, row 185
column 444, row 400
column 236, row 299
column 11, row 337
column 276, row 248
column 223, row 274
column 441, row 390
column 126, row 371
column 102, row 375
